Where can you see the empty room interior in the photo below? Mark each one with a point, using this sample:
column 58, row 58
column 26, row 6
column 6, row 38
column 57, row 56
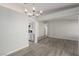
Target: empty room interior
column 39, row 29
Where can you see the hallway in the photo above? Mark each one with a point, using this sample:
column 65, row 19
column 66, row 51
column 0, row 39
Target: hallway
column 50, row 47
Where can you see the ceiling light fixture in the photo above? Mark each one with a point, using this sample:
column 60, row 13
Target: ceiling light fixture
column 33, row 12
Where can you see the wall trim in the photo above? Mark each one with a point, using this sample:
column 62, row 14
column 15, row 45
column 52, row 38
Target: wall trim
column 16, row 50
column 42, row 37
column 62, row 38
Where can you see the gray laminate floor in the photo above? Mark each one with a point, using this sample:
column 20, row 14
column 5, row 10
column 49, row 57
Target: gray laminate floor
column 50, row 47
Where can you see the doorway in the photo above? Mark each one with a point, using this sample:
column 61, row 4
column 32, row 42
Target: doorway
column 31, row 32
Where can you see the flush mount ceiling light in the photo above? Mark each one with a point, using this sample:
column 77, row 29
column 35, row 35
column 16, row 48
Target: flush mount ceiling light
column 33, row 12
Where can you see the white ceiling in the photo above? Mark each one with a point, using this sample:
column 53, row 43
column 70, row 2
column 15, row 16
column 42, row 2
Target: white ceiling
column 56, row 15
column 49, row 7
column 46, row 7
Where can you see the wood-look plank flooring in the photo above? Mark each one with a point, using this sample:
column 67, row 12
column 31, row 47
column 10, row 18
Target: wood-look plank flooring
column 50, row 47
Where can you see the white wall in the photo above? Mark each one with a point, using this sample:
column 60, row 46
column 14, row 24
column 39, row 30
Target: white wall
column 41, row 29
column 78, row 38
column 64, row 28
column 13, row 31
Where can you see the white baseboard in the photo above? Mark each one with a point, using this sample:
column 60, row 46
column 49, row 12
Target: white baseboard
column 42, row 37
column 75, row 39
column 15, row 50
